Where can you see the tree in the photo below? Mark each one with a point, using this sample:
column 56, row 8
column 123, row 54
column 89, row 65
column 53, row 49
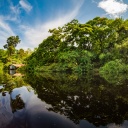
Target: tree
column 21, row 53
column 83, row 46
column 12, row 42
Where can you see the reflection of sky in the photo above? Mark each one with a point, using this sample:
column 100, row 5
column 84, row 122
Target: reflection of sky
column 124, row 125
column 29, row 97
column 5, row 110
column 36, row 115
column 84, row 123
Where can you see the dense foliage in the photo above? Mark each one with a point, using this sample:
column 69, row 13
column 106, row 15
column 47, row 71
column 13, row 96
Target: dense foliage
column 82, row 47
column 10, row 54
column 12, row 42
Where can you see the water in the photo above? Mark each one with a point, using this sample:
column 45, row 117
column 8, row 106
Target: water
column 62, row 101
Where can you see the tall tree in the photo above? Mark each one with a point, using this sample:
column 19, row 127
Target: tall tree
column 12, row 42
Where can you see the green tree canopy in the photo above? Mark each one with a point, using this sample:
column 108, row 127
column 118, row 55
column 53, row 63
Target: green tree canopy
column 102, row 38
column 12, row 42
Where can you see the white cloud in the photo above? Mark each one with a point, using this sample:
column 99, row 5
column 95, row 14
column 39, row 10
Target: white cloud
column 113, row 8
column 5, row 32
column 34, row 35
column 16, row 10
column 14, row 14
column 25, row 5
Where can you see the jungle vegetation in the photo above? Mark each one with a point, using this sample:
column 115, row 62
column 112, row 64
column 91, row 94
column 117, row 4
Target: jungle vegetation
column 10, row 54
column 100, row 44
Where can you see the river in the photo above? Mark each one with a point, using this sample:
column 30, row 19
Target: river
column 60, row 100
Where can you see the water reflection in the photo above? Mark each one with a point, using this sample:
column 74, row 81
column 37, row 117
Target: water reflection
column 25, row 109
column 85, row 97
column 12, row 72
column 5, row 110
column 62, row 101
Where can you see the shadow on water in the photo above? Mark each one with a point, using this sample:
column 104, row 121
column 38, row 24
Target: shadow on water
column 62, row 101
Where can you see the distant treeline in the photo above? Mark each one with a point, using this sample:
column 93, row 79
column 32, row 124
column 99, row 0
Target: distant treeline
column 10, row 54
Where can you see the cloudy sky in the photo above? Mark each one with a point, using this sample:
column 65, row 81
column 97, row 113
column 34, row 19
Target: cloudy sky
column 31, row 19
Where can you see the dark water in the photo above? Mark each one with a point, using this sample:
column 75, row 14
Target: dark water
column 63, row 101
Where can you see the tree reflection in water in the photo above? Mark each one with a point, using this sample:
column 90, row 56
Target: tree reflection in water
column 85, row 97
column 87, row 100
column 9, row 103
column 26, row 110
column 7, row 107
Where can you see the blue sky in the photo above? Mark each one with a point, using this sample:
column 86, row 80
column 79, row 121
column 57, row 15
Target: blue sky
column 31, row 19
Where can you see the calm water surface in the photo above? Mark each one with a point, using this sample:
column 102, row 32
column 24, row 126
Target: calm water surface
column 63, row 101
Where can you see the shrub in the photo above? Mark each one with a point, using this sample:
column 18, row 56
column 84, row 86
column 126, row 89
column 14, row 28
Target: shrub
column 114, row 71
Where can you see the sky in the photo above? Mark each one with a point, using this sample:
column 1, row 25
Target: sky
column 31, row 19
